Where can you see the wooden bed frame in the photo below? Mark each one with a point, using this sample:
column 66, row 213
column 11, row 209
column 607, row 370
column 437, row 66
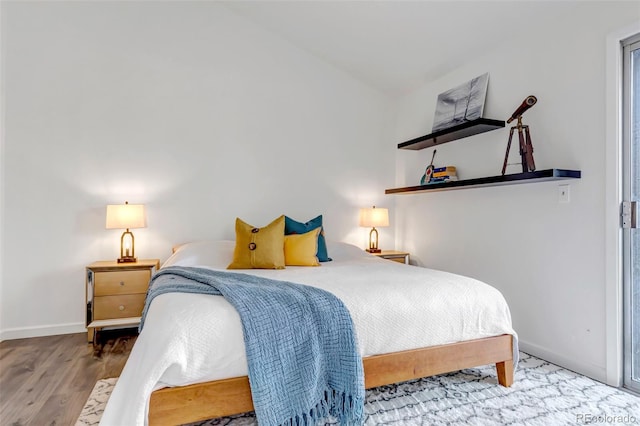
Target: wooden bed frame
column 202, row 401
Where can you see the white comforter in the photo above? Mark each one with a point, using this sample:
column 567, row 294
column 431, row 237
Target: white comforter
column 190, row 338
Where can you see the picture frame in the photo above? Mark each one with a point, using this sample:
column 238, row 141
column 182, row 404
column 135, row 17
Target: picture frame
column 461, row 104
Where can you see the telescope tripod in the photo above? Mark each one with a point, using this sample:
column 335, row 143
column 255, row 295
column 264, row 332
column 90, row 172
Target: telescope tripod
column 526, row 148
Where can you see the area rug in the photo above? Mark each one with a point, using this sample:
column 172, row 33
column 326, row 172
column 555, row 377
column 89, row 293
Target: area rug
column 542, row 394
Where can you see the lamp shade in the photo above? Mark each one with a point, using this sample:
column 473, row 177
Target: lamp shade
column 374, row 217
column 126, row 216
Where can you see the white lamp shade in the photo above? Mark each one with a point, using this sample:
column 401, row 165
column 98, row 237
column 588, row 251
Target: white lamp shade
column 126, row 216
column 374, row 217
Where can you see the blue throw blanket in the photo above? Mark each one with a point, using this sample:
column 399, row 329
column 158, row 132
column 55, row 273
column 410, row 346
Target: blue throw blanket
column 302, row 352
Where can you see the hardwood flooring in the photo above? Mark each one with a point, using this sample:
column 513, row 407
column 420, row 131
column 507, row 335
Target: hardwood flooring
column 47, row 380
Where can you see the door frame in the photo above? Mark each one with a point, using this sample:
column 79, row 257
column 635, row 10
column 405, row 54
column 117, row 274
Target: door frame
column 613, row 197
column 628, row 151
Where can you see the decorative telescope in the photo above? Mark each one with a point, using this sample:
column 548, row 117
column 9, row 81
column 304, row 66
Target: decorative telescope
column 526, row 148
column 525, row 105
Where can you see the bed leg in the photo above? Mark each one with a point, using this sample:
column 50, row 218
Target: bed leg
column 505, row 372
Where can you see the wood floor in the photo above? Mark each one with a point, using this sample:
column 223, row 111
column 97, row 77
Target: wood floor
column 47, row 380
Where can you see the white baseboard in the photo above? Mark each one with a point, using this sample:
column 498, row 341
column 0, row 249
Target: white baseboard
column 589, row 370
column 39, row 331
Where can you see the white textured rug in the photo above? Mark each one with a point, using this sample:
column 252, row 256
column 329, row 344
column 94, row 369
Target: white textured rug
column 542, row 394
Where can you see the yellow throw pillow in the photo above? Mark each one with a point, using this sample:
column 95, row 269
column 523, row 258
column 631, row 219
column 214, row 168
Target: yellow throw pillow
column 259, row 248
column 301, row 249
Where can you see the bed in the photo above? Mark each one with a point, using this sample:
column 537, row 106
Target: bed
column 189, row 363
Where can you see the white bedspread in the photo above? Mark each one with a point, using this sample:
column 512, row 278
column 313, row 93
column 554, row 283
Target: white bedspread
column 190, row 338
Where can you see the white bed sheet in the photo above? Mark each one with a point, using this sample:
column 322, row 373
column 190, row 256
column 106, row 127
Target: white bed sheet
column 191, row 338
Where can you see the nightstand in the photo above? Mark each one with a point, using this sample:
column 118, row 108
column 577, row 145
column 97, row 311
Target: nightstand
column 396, row 256
column 115, row 293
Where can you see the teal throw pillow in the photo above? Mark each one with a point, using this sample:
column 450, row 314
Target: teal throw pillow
column 294, row 227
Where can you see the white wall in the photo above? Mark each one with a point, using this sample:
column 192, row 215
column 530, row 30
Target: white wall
column 182, row 106
column 547, row 258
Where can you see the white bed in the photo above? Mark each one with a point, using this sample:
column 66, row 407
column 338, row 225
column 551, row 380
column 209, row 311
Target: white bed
column 193, row 338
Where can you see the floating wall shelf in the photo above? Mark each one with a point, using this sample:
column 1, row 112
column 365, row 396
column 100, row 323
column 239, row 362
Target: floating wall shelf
column 537, row 176
column 460, row 131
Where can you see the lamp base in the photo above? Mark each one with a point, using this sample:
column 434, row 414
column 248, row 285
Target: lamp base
column 127, row 259
column 374, row 250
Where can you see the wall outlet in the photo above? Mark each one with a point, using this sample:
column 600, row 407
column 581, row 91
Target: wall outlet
column 563, row 194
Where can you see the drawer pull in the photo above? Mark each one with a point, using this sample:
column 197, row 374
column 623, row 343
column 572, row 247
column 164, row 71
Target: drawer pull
column 122, row 283
column 121, row 307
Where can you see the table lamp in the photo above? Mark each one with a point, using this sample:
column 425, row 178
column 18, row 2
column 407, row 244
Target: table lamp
column 126, row 216
column 372, row 217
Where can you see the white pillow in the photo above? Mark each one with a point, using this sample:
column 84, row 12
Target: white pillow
column 345, row 251
column 210, row 253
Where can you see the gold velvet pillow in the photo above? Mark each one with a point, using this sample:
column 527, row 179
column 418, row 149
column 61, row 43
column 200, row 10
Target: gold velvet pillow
column 301, row 249
column 259, row 248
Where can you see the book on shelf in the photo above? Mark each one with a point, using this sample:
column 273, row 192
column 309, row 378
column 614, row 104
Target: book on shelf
column 448, row 169
column 442, row 179
column 442, row 174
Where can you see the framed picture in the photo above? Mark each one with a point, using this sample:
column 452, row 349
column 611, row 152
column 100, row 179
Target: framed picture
column 462, row 103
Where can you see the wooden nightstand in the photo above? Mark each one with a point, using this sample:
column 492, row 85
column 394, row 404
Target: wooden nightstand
column 115, row 293
column 396, row 256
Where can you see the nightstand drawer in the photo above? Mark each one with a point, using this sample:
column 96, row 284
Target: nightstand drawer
column 122, row 306
column 121, row 282
column 401, row 259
